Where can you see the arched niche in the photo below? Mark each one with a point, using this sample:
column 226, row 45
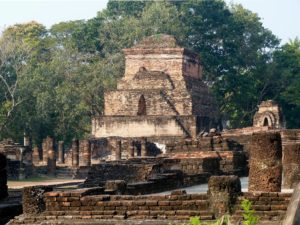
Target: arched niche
column 266, row 122
column 142, row 107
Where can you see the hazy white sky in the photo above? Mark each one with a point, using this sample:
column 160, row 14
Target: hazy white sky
column 282, row 17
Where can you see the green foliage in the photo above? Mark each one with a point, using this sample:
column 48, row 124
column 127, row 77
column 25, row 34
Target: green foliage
column 59, row 75
column 248, row 213
column 248, row 217
column 286, row 68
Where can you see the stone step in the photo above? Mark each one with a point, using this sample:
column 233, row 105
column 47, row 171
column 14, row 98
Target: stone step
column 130, row 214
column 110, row 222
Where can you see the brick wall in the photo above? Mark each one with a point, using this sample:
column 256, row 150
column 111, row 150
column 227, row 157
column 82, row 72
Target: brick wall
column 177, row 206
column 267, row 205
column 174, row 206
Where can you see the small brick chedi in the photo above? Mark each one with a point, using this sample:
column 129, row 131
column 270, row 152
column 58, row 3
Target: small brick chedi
column 269, row 114
column 161, row 94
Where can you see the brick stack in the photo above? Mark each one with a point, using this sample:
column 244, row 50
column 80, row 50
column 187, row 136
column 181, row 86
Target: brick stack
column 223, row 192
column 265, row 162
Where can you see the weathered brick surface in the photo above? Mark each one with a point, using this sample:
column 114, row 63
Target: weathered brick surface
column 33, row 199
column 223, row 192
column 178, row 205
column 84, row 207
column 291, row 157
column 265, row 162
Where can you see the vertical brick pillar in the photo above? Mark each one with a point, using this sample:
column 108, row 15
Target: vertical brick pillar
column 222, row 193
column 86, row 153
column 51, row 165
column 265, row 162
column 131, row 150
column 290, row 157
column 44, row 151
column 3, row 177
column 75, row 152
column 61, row 152
column 143, row 148
column 118, row 149
column 36, row 156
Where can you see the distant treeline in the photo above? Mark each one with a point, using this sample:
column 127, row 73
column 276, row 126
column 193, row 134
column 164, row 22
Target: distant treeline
column 52, row 80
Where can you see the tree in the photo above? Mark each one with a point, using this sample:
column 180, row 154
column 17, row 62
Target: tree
column 14, row 54
column 235, row 49
column 287, row 81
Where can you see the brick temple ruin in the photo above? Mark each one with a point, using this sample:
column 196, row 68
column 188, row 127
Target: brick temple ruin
column 160, row 132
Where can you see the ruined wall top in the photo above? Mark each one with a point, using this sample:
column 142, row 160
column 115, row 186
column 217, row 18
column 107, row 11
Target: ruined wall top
column 162, row 52
column 158, row 41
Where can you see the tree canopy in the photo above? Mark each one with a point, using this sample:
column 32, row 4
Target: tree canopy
column 52, row 80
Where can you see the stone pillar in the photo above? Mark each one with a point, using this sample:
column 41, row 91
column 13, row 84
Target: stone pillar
column 36, row 156
column 51, row 165
column 26, row 141
column 291, row 157
column 45, row 151
column 118, row 149
column 265, row 167
column 3, row 177
column 33, row 200
column 131, row 150
column 86, row 153
column 222, row 193
column 75, row 152
column 61, row 152
column 143, row 148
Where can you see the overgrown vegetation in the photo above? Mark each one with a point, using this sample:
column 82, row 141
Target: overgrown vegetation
column 52, row 80
column 249, row 217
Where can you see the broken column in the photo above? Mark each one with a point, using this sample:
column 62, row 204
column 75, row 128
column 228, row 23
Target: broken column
column 36, row 155
column 86, row 152
column 222, row 193
column 265, row 167
column 75, row 152
column 3, row 177
column 131, row 149
column 143, row 148
column 291, row 157
column 118, row 149
column 51, row 165
column 44, row 151
column 61, row 152
column 27, row 142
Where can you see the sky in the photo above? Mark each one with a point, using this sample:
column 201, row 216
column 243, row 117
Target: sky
column 282, row 17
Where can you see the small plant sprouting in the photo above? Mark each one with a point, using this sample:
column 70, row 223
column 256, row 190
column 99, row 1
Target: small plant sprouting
column 248, row 214
column 248, row 217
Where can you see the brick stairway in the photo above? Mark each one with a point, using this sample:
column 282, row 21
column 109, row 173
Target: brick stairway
column 269, row 206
